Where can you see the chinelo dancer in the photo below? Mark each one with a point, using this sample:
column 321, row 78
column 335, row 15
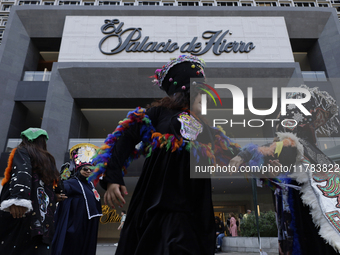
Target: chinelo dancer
column 169, row 212
column 77, row 216
column 307, row 197
column 28, row 198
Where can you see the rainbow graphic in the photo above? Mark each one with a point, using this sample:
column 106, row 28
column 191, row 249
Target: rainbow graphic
column 213, row 90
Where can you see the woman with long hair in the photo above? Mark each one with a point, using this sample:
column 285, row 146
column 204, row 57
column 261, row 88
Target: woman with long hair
column 27, row 197
column 169, row 213
column 233, row 224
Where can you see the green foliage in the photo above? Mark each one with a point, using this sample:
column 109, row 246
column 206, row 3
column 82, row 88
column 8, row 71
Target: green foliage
column 267, row 225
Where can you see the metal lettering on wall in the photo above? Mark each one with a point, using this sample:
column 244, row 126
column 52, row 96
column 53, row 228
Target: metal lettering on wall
column 134, row 43
column 109, row 215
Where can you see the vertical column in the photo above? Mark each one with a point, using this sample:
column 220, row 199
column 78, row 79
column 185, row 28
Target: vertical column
column 57, row 116
column 13, row 53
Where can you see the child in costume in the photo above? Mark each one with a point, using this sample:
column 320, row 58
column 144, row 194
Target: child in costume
column 77, row 216
column 169, row 212
column 28, row 197
column 307, row 198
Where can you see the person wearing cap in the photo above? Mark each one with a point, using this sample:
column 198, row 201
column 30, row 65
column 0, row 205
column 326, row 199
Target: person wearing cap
column 169, row 213
column 307, row 198
column 77, row 216
column 28, row 198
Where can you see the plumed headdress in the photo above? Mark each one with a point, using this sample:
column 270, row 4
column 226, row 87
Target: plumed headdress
column 323, row 109
column 81, row 154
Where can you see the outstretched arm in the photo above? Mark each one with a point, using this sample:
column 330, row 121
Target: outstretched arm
column 113, row 180
column 286, row 151
column 118, row 151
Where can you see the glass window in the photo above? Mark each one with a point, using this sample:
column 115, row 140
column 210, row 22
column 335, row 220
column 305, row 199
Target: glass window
column 188, row 4
column 168, row 4
column 88, row 3
column 109, row 3
column 207, row 4
column 29, row 2
column 37, row 76
column 304, row 4
column 323, row 5
column 246, row 4
column 265, row 3
column 128, row 4
column 6, row 7
column 325, row 143
column 48, row 3
column 12, row 143
column 69, row 3
column 285, row 4
column 148, row 3
column 227, row 3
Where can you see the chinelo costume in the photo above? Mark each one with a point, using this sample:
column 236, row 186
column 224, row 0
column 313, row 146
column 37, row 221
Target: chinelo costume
column 23, row 187
column 77, row 217
column 169, row 213
column 307, row 198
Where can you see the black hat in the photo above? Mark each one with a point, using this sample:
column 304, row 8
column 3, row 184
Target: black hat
column 175, row 75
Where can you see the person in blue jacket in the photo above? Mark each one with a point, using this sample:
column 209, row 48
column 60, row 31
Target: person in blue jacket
column 77, row 216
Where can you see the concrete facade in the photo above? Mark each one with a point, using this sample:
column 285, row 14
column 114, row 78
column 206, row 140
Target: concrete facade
column 58, row 105
column 30, row 26
column 250, row 244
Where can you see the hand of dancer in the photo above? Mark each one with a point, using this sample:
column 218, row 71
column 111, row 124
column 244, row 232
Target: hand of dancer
column 17, row 211
column 274, row 163
column 60, row 197
column 115, row 194
column 236, row 162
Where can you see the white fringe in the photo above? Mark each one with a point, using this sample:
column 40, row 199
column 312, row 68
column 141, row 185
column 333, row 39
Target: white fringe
column 19, row 202
column 299, row 146
column 327, row 232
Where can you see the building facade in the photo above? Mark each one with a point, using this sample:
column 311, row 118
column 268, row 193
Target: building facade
column 76, row 70
column 6, row 5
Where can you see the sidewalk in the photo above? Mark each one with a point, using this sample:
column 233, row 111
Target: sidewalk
column 110, row 249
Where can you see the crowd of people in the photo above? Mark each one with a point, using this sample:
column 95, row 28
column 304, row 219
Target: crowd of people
column 32, row 187
column 165, row 199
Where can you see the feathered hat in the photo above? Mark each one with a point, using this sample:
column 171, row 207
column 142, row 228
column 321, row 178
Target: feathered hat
column 323, row 109
column 80, row 154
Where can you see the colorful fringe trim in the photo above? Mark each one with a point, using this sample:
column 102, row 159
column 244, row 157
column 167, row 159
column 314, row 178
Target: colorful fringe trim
column 257, row 158
column 152, row 140
column 223, row 144
column 8, row 168
column 103, row 155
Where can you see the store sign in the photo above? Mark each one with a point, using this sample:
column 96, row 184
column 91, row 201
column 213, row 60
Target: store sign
column 109, row 215
column 133, row 42
column 159, row 38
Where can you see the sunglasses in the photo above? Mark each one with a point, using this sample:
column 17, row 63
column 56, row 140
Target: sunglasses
column 85, row 169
